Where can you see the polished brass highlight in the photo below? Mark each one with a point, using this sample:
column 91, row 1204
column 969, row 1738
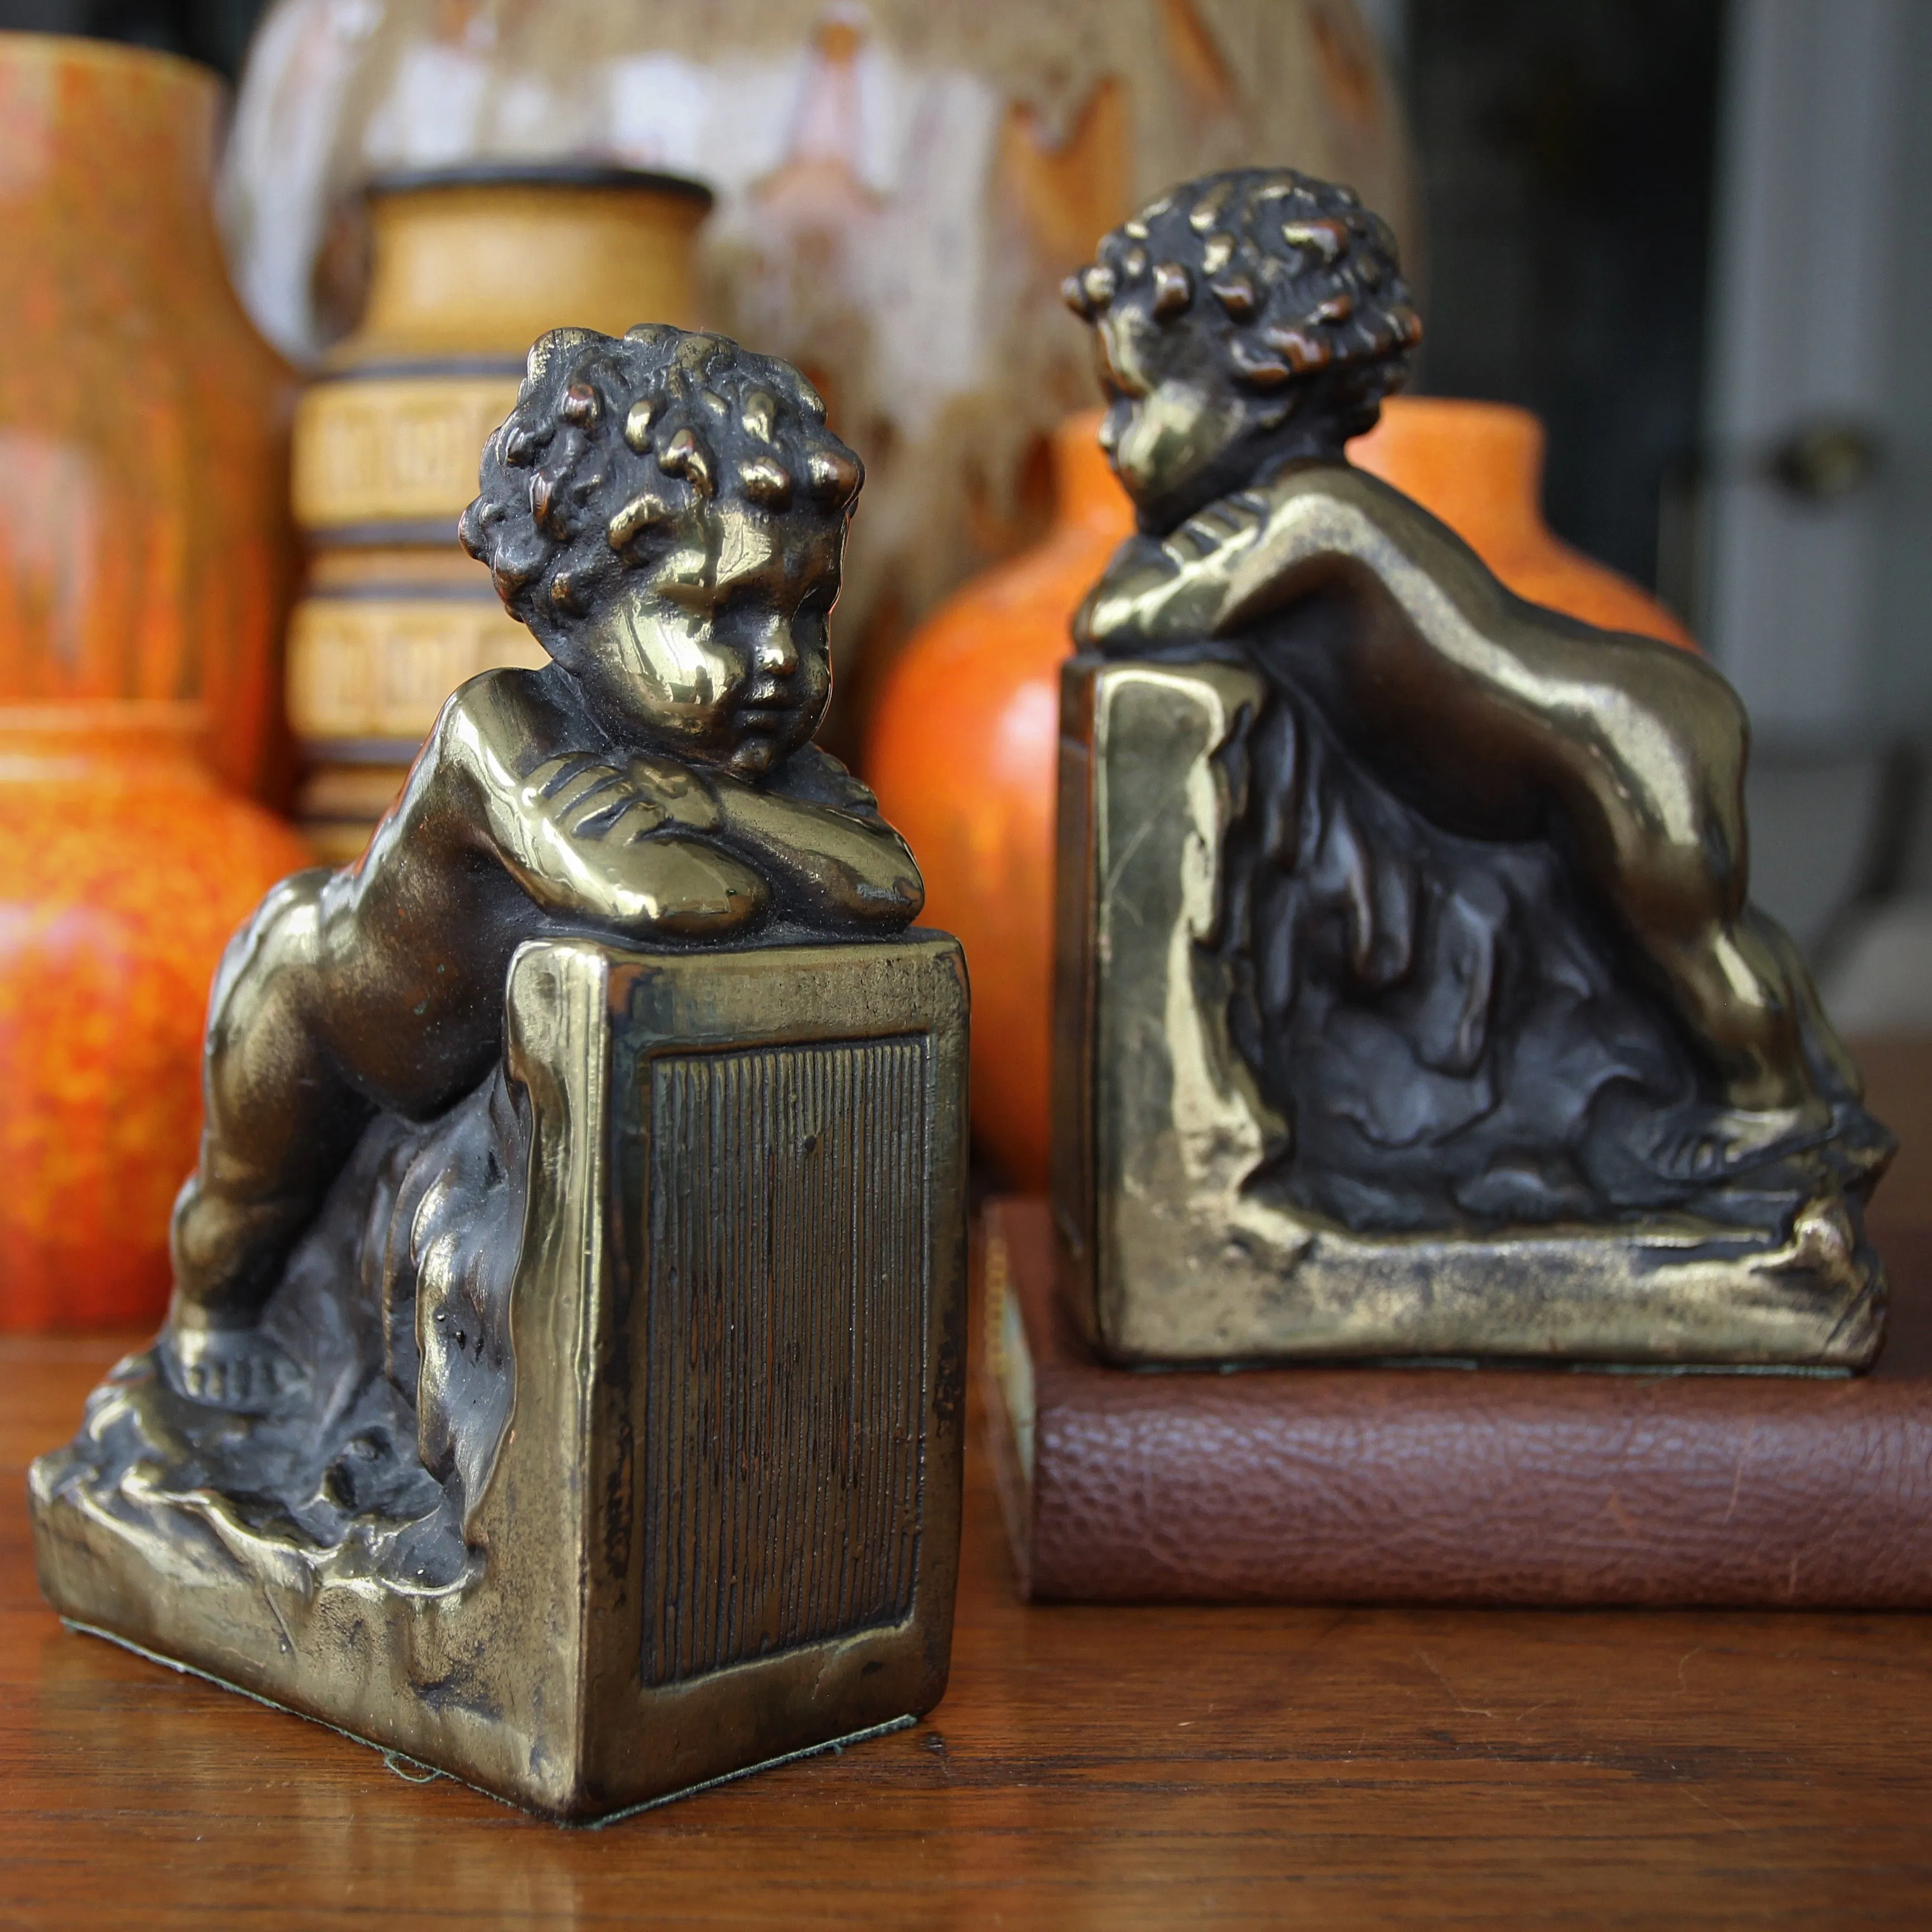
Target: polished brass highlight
column 562, row 1381
column 1410, row 1003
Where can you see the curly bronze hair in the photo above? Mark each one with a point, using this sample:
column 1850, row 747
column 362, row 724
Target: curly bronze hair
column 621, row 448
column 1289, row 279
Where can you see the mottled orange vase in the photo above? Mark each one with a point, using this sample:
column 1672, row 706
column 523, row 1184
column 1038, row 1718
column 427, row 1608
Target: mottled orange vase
column 124, row 868
column 146, row 550
column 961, row 750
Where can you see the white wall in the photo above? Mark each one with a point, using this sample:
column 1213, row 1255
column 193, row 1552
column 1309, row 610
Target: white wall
column 1820, row 610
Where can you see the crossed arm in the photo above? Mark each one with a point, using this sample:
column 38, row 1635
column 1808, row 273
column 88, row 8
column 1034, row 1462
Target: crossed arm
column 645, row 844
column 1250, row 554
column 1180, row 587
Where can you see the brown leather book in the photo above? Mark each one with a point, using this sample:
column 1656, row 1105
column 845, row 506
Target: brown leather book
column 1443, row 1485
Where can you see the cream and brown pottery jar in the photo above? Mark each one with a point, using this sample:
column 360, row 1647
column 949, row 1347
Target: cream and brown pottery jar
column 901, row 185
column 468, row 267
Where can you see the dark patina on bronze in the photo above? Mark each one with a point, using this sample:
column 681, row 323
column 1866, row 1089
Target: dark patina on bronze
column 1410, row 1002
column 562, row 1386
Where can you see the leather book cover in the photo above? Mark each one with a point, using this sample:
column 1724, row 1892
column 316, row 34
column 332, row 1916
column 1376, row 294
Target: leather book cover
column 1448, row 1485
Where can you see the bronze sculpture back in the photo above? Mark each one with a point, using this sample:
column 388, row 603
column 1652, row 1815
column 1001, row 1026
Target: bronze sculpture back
column 1472, row 958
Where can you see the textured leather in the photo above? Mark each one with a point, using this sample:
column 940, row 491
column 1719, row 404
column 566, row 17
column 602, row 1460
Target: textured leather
column 1492, row 1486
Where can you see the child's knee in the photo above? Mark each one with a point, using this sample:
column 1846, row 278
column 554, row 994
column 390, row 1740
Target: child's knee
column 270, row 989
column 1667, row 834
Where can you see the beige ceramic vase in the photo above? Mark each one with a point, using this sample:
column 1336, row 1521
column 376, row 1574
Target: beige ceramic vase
column 468, row 267
column 901, row 187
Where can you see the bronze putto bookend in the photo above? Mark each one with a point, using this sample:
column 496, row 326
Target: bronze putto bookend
column 562, row 1384
column 1410, row 1003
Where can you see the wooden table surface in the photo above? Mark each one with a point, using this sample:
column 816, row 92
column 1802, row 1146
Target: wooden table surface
column 1138, row 1768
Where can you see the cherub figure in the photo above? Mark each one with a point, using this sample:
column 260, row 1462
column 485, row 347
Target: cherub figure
column 667, row 513
column 1492, row 863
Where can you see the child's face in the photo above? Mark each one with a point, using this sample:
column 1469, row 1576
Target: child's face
column 719, row 652
column 1171, row 427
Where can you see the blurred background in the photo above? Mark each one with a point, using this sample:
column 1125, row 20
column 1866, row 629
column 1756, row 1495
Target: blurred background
column 1680, row 234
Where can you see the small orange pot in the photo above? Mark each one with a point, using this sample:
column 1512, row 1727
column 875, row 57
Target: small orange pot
column 961, row 750
column 961, row 753
column 124, row 868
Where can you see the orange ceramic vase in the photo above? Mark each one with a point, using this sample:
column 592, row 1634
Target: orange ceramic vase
column 961, row 748
column 145, row 545
column 961, row 753
column 124, row 868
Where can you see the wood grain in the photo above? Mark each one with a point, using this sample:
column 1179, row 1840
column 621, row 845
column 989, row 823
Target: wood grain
column 1120, row 1768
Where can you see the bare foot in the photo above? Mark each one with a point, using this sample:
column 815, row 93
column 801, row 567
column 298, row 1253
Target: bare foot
column 1717, row 1143
column 236, row 1369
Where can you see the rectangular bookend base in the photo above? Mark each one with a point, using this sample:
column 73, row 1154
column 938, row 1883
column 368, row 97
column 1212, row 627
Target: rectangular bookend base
column 1442, row 1485
column 413, row 1771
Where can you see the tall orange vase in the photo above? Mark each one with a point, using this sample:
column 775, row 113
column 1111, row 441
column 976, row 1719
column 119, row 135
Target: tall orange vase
column 145, row 563
column 145, row 550
column 961, row 748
